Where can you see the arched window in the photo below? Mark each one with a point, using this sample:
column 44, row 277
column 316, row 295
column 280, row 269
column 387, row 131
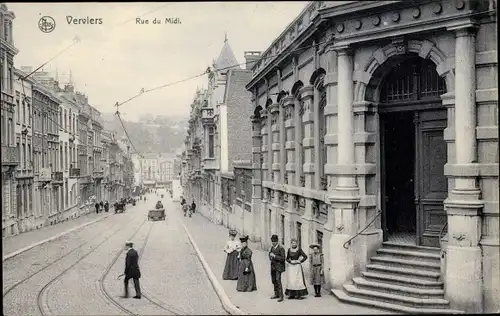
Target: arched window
column 412, row 80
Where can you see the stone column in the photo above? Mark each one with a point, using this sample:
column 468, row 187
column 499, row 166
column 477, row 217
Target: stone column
column 257, row 176
column 317, row 139
column 265, row 145
column 345, row 121
column 270, row 161
column 463, row 206
column 344, row 199
column 308, row 140
column 290, row 203
column 298, row 142
column 282, row 143
column 288, row 108
column 275, row 142
column 264, row 156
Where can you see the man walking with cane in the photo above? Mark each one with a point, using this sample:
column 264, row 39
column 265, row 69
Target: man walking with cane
column 132, row 270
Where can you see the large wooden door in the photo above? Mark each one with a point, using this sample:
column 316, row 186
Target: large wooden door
column 431, row 184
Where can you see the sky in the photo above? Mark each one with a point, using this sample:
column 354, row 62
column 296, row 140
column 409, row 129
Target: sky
column 116, row 59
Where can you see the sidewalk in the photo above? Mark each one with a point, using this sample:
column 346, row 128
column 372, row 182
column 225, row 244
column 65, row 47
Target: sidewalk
column 210, row 239
column 17, row 242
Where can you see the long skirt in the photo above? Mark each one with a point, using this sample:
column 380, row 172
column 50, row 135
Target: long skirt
column 231, row 267
column 316, row 277
column 246, row 281
column 296, row 282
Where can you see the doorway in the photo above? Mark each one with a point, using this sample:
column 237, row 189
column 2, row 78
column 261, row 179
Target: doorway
column 413, row 152
column 399, row 188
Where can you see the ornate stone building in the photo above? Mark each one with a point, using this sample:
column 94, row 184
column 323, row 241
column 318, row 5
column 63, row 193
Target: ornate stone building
column 25, row 216
column 375, row 134
column 10, row 154
column 222, row 140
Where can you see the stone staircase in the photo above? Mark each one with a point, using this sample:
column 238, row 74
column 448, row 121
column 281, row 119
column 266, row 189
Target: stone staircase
column 401, row 278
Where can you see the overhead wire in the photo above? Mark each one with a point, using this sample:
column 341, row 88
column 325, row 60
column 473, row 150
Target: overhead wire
column 207, row 71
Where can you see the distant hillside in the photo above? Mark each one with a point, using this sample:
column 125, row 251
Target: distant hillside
column 151, row 134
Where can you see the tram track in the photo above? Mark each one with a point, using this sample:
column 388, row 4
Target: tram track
column 50, row 264
column 106, row 293
column 41, row 305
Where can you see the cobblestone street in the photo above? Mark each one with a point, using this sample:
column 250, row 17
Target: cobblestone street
column 77, row 273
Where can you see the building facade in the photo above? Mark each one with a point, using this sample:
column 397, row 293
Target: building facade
column 24, row 142
column 10, row 154
column 374, row 122
column 68, row 150
column 152, row 168
column 219, row 141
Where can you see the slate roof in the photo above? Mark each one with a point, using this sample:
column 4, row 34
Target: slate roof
column 226, row 58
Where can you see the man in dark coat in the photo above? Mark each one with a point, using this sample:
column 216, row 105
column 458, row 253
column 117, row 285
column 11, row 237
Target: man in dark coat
column 277, row 257
column 193, row 207
column 132, row 269
column 97, row 208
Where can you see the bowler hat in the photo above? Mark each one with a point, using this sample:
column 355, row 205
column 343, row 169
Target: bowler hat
column 274, row 238
column 244, row 239
column 312, row 246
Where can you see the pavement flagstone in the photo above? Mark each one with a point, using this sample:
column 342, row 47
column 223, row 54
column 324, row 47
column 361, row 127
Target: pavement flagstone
column 210, row 239
column 12, row 244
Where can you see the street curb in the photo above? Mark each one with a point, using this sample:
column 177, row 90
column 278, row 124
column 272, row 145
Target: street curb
column 226, row 302
column 20, row 251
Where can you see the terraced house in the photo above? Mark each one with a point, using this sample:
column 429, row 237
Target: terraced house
column 10, row 154
column 375, row 134
column 218, row 142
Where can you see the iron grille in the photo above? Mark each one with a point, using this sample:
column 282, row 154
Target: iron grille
column 413, row 79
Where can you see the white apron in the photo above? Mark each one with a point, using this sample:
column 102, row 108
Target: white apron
column 295, row 277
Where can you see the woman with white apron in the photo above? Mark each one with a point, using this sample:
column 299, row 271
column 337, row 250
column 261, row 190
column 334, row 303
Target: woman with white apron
column 296, row 285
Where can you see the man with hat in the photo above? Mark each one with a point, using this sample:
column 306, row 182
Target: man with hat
column 277, row 257
column 132, row 269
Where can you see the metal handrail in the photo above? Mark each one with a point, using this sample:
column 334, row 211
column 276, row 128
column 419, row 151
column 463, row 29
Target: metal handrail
column 360, row 232
column 441, row 233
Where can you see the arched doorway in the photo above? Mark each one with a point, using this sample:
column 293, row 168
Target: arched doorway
column 413, row 151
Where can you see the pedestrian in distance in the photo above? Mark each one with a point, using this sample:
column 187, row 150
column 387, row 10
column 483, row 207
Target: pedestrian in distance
column 185, row 209
column 317, row 269
column 132, row 270
column 106, row 206
column 193, row 207
column 232, row 249
column 246, row 273
column 277, row 257
column 296, row 283
column 101, row 206
column 97, row 208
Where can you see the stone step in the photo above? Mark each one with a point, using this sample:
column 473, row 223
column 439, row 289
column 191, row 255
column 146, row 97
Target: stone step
column 363, row 283
column 406, row 263
column 402, row 280
column 391, row 245
column 429, row 275
column 344, row 297
column 409, row 254
column 435, row 303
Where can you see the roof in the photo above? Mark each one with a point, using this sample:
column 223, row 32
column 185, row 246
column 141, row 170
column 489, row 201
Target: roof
column 226, row 58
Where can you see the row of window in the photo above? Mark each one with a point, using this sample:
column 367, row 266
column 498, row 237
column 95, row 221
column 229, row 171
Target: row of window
column 68, row 121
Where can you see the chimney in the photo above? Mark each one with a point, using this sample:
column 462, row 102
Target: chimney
column 251, row 58
column 69, row 88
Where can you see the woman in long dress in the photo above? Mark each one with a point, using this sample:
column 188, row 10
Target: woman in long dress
column 232, row 249
column 296, row 285
column 246, row 272
column 316, row 261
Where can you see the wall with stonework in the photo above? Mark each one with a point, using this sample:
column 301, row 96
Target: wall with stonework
column 239, row 109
